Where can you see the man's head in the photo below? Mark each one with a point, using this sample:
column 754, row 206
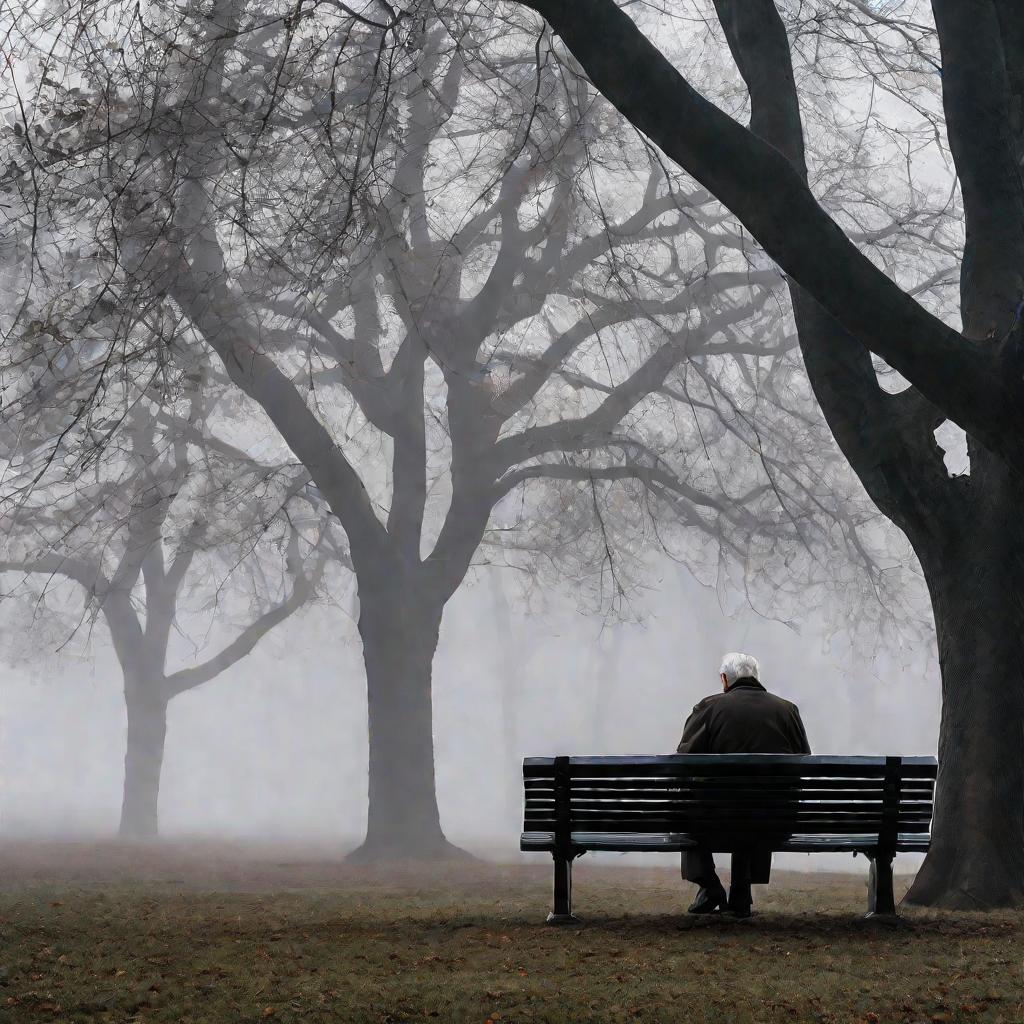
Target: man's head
column 738, row 666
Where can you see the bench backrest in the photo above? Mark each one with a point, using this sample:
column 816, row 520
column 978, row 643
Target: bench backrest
column 722, row 795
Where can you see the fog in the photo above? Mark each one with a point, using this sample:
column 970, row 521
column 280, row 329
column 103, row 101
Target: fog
column 276, row 750
column 394, row 401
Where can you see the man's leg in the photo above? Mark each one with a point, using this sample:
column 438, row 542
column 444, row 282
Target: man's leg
column 761, row 865
column 740, row 899
column 699, row 866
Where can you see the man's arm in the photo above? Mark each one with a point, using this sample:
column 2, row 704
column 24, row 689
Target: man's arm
column 695, row 733
column 800, row 741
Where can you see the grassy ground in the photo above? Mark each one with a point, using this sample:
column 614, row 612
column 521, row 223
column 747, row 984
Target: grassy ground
column 108, row 933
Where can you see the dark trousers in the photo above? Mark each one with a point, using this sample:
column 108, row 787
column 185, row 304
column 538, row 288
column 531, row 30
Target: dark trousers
column 748, row 866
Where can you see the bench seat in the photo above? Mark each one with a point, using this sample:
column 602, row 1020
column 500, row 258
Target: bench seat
column 877, row 806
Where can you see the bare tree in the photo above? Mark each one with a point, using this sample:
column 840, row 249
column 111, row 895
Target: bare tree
column 966, row 530
column 155, row 517
column 486, row 321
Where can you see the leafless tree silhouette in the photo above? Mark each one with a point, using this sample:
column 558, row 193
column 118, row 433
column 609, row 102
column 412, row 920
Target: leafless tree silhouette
column 487, row 320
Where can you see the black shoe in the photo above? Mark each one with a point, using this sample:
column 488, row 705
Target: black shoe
column 708, row 901
column 739, row 903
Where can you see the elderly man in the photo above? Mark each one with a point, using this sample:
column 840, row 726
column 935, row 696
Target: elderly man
column 744, row 719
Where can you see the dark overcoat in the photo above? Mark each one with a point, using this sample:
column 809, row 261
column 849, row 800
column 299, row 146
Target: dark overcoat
column 745, row 719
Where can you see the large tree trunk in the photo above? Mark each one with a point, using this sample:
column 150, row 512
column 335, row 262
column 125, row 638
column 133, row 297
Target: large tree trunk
column 143, row 760
column 977, row 860
column 975, row 579
column 399, row 628
column 967, row 533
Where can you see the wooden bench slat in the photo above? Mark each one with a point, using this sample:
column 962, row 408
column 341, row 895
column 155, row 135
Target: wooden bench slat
column 713, row 827
column 740, row 797
column 543, row 842
column 725, row 815
column 807, row 812
column 726, row 796
column 765, row 784
column 748, row 795
column 724, row 765
column 598, row 775
column 653, row 800
column 579, row 804
column 651, row 775
column 717, row 786
column 818, row 760
column 753, row 830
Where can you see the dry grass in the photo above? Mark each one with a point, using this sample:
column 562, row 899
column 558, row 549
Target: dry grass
column 109, row 933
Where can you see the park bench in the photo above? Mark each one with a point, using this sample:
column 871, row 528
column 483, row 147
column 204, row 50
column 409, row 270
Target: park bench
column 802, row 803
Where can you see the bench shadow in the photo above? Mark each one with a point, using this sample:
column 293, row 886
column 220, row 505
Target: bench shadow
column 775, row 923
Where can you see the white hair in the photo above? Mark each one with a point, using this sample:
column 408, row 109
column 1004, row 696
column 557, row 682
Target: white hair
column 739, row 666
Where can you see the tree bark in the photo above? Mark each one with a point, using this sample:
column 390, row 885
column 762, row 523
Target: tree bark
column 977, row 860
column 977, row 857
column 143, row 760
column 399, row 627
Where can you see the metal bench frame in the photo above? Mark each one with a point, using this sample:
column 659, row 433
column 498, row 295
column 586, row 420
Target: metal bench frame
column 568, row 838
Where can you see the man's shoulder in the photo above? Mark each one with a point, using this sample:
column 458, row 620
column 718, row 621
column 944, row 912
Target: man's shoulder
column 788, row 704
column 781, row 703
column 709, row 701
column 761, row 694
column 713, row 699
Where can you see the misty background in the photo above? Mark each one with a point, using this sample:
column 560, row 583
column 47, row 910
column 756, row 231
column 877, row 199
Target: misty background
column 275, row 748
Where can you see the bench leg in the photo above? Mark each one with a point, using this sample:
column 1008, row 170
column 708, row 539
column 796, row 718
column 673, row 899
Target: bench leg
column 562, row 912
column 881, row 900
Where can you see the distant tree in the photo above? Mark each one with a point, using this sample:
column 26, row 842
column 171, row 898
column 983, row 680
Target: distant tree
column 153, row 518
column 486, row 321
